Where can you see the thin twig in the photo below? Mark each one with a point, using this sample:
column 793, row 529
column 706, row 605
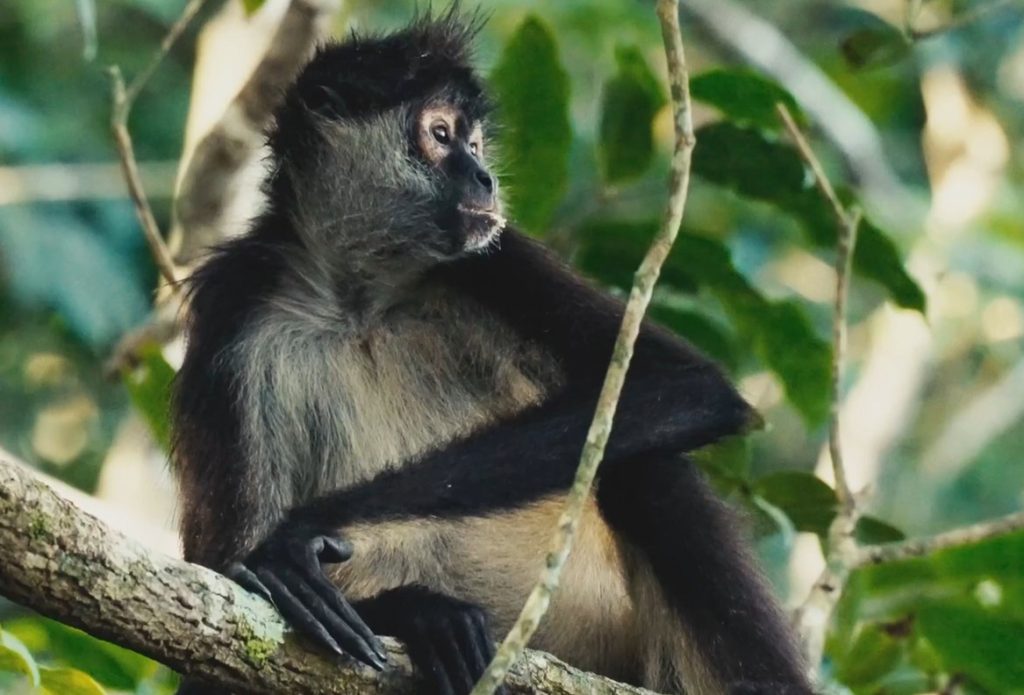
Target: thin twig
column 640, row 296
column 813, row 616
column 849, row 222
column 124, row 98
column 130, row 168
column 916, row 547
column 176, row 30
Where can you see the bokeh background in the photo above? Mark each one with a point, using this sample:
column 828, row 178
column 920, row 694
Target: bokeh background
column 917, row 109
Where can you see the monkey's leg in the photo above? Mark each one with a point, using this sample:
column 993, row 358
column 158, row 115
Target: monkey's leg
column 663, row 508
column 491, row 562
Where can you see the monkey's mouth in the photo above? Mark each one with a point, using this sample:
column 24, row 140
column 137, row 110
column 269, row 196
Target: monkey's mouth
column 482, row 227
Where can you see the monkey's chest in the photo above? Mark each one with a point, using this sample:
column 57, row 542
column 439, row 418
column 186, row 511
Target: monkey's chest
column 418, row 385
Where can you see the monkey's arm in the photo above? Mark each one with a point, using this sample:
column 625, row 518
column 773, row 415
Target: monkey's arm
column 231, row 501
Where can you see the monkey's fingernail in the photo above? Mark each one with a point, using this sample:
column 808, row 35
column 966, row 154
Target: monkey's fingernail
column 378, row 663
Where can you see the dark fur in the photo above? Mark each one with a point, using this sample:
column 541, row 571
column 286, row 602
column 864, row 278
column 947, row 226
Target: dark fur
column 522, row 344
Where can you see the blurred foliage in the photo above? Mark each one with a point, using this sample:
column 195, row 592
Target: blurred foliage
column 584, row 141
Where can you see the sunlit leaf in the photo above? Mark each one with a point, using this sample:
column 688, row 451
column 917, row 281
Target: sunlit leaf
column 251, row 6
column 875, row 651
column 113, row 666
column 630, row 100
column 980, row 643
column 533, row 93
column 149, row 386
column 806, row 499
column 16, row 658
column 68, row 681
column 789, row 345
column 745, row 97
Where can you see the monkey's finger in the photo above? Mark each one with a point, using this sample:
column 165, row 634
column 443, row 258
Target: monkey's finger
column 452, row 647
column 480, row 649
column 333, row 597
column 350, row 641
column 335, row 550
column 424, row 655
column 487, row 648
column 296, row 614
column 245, row 578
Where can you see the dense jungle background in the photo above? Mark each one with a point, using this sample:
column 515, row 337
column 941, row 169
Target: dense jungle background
column 916, row 108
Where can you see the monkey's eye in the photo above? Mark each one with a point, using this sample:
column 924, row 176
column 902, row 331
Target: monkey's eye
column 441, row 133
column 474, row 148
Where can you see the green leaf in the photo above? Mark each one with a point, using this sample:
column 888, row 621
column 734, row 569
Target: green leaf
column 872, row 42
column 250, row 6
column 149, row 386
column 629, row 103
column 745, row 97
column 16, row 658
column 805, row 499
column 789, row 345
column 875, row 257
column 706, row 334
column 982, row 644
column 780, row 332
column 533, row 92
column 873, row 531
column 727, row 461
column 68, row 681
column 745, row 161
column 874, row 653
column 113, row 666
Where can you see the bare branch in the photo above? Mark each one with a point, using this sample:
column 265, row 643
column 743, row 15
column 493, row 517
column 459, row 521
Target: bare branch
column 600, row 428
column 213, row 169
column 170, row 38
column 916, row 547
column 68, row 565
column 124, row 98
column 849, row 222
column 130, row 169
column 816, row 611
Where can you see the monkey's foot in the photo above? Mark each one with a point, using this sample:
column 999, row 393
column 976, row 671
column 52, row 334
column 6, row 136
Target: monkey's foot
column 286, row 570
column 448, row 640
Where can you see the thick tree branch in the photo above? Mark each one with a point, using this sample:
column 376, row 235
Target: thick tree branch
column 68, row 565
column 600, row 428
column 214, row 167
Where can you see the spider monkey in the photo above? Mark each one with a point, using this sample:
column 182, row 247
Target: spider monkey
column 387, row 388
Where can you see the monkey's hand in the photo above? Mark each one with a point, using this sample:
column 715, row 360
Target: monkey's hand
column 286, row 570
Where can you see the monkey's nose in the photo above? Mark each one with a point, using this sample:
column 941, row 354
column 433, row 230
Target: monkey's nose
column 485, row 180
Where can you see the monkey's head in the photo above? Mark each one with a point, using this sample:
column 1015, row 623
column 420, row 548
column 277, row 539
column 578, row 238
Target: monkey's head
column 380, row 146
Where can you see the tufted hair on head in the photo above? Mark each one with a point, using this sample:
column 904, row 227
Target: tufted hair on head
column 367, row 74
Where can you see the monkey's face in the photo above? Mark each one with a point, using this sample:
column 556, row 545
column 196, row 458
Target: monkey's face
column 453, row 148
